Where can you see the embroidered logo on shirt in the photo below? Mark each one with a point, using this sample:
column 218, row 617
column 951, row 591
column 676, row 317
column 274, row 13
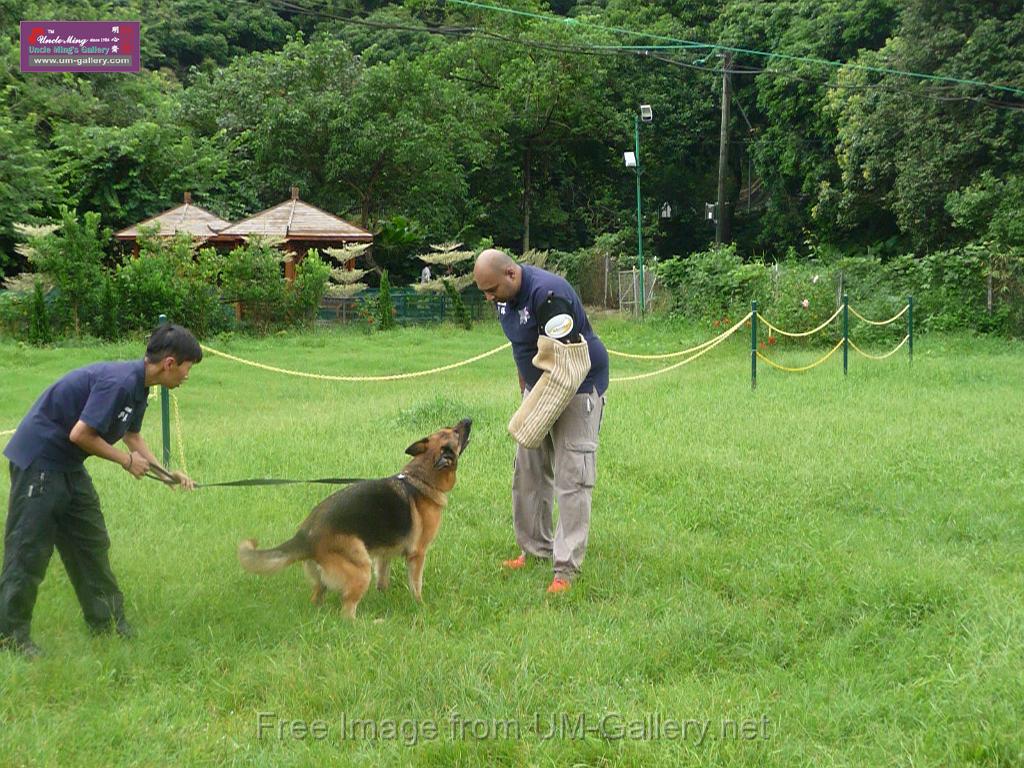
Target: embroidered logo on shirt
column 125, row 413
column 501, row 307
column 524, row 315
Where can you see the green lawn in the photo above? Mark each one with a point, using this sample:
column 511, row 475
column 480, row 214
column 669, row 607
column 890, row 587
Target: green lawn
column 826, row 571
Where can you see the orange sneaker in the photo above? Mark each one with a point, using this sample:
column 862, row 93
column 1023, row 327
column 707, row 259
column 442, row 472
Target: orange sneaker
column 515, row 563
column 558, row 585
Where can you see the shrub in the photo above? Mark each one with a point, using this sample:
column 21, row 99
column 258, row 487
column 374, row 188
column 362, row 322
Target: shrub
column 950, row 289
column 458, row 306
column 170, row 277
column 73, row 262
column 252, row 277
column 307, row 290
column 385, row 308
column 109, row 325
column 713, row 284
column 39, row 330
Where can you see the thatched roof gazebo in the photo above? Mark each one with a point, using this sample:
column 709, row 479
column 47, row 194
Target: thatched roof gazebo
column 300, row 226
column 187, row 218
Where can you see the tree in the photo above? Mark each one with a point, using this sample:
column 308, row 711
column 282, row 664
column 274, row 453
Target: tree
column 73, row 262
column 556, row 123
column 27, row 183
column 905, row 146
column 363, row 141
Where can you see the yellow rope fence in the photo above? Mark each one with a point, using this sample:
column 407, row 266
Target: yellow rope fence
column 693, row 352
column 815, row 364
column 666, row 355
column 800, row 335
column 890, row 353
column 892, row 319
column 832, row 351
column 325, row 377
column 705, row 347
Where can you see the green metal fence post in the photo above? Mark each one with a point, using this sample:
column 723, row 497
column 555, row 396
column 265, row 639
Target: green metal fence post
column 846, row 331
column 165, row 415
column 753, row 345
column 910, row 327
column 639, row 220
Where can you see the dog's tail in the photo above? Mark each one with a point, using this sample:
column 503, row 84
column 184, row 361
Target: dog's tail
column 273, row 560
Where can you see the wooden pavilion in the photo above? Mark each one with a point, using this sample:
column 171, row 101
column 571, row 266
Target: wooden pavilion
column 188, row 218
column 300, row 225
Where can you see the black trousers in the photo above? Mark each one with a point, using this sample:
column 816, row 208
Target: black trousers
column 48, row 509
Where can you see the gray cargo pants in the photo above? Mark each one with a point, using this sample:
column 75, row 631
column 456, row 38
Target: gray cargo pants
column 564, row 467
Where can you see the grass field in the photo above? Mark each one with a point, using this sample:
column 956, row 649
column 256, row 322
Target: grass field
column 826, row 571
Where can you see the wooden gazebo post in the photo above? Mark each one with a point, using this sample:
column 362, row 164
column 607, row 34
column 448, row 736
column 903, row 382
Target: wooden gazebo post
column 289, row 265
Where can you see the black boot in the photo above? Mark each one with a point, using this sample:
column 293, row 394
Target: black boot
column 20, row 643
column 119, row 626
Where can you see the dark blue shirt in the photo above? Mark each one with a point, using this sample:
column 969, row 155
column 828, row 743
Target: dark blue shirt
column 109, row 397
column 519, row 321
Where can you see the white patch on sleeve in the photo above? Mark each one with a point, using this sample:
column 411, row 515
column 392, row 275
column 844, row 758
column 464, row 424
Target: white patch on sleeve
column 558, row 327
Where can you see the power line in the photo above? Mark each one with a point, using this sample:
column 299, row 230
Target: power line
column 749, row 51
column 928, row 92
column 293, row 6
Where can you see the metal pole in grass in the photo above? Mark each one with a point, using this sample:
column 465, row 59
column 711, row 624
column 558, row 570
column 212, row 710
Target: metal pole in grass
column 846, row 331
column 753, row 345
column 910, row 327
column 165, row 415
column 639, row 219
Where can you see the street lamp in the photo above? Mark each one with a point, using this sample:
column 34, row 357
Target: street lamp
column 632, row 160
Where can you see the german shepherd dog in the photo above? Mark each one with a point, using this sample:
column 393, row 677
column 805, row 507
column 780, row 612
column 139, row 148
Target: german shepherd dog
column 370, row 522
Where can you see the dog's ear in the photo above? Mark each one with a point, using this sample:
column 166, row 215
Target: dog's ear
column 420, row 446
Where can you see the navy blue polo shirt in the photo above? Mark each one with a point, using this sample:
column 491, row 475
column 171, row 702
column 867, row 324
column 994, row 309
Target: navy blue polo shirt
column 519, row 322
column 109, row 397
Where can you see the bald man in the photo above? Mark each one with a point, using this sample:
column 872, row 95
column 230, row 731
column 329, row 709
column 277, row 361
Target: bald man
column 532, row 302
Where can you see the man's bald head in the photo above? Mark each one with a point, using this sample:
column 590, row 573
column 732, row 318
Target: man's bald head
column 497, row 275
column 493, row 260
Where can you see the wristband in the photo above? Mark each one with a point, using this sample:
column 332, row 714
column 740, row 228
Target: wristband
column 131, row 459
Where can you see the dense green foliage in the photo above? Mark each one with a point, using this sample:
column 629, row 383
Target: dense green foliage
column 196, row 287
column 430, row 122
column 950, row 288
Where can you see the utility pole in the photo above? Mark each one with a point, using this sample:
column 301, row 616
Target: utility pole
column 722, row 233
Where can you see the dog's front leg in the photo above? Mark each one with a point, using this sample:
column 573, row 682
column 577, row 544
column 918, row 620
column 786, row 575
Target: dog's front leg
column 414, row 566
column 382, row 570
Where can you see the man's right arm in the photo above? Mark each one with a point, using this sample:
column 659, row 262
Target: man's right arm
column 90, row 441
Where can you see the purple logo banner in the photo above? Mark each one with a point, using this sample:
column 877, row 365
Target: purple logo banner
column 80, row 46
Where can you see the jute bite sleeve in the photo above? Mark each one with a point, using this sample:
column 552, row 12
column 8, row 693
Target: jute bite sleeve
column 564, row 367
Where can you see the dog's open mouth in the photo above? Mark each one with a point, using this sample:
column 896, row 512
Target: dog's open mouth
column 462, row 429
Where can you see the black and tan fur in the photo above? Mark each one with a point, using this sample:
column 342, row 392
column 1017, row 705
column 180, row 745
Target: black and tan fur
column 365, row 525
